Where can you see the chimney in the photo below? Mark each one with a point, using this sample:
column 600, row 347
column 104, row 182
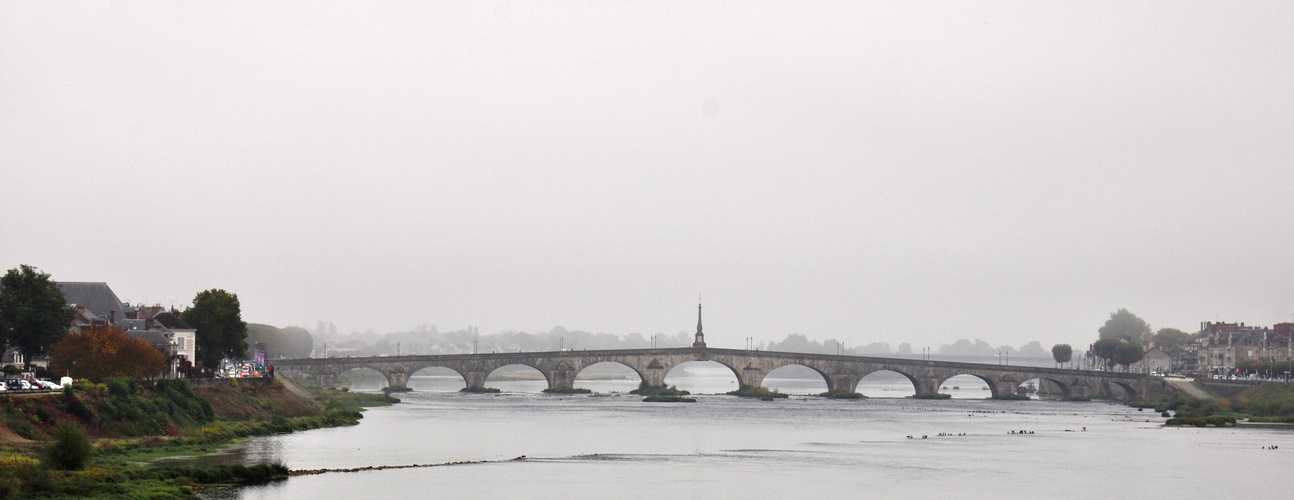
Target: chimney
column 112, row 317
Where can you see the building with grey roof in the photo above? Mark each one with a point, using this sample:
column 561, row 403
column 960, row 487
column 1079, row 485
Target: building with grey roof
column 94, row 302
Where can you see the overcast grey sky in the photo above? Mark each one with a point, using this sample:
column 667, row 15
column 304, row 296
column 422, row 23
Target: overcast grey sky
column 899, row 172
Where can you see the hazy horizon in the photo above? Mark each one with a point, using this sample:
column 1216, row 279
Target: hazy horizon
column 869, row 172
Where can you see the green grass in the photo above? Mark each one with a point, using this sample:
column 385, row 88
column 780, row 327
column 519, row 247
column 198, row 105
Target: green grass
column 160, row 420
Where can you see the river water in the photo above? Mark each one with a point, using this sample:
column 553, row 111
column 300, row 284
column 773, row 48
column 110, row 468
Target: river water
column 616, row 446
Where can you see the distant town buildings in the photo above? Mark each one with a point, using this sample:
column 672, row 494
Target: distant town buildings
column 1220, row 347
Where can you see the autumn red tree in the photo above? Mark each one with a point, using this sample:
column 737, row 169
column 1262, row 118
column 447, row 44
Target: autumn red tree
column 105, row 351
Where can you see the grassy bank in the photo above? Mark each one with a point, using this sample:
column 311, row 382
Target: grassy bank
column 1269, row 403
column 98, row 440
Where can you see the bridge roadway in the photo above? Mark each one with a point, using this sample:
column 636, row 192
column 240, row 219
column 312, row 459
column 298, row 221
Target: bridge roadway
column 841, row 373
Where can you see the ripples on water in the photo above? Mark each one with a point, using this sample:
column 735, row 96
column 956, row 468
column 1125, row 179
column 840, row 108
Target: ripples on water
column 721, row 447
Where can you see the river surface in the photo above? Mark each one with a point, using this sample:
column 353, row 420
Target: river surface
column 616, row 447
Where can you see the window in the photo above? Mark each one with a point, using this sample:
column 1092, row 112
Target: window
column 179, row 343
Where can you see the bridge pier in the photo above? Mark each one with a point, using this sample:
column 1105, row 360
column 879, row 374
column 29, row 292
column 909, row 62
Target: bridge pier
column 842, row 382
column 926, row 385
column 1004, row 388
column 750, row 377
column 560, row 376
column 325, row 380
column 653, row 374
column 397, row 379
column 475, row 379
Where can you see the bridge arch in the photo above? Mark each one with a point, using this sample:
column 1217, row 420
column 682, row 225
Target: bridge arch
column 625, row 385
column 1120, row 391
column 887, row 384
column 794, row 373
column 994, row 386
column 437, row 378
column 705, row 376
column 1064, row 388
column 517, row 377
column 362, row 378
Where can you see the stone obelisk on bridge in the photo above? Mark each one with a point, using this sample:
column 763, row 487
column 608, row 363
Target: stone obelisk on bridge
column 700, row 337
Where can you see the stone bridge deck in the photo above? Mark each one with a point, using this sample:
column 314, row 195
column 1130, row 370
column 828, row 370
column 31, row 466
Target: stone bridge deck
column 841, row 373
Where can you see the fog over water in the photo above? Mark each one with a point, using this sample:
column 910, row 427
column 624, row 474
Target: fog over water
column 865, row 171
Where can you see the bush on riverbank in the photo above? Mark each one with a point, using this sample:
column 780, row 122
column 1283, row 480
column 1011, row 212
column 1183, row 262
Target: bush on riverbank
column 480, row 390
column 70, row 449
column 758, row 392
column 842, row 394
column 1210, row 421
column 1012, row 397
column 561, row 389
column 647, row 390
column 932, row 395
column 668, row 399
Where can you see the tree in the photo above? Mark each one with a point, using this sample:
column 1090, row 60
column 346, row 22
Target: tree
column 288, row 342
column 221, row 332
column 1128, row 353
column 1125, row 325
column 104, row 351
column 1062, row 353
column 33, row 313
column 1107, row 350
column 1032, row 349
column 1170, row 337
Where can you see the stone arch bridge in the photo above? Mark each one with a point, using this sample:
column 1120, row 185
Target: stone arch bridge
column 841, row 373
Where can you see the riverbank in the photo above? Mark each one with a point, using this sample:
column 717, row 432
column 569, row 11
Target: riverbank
column 130, row 425
column 1267, row 403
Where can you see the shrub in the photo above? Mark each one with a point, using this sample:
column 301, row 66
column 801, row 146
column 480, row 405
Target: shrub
column 561, row 389
column 75, row 407
column 646, row 390
column 842, row 394
column 757, row 392
column 70, row 449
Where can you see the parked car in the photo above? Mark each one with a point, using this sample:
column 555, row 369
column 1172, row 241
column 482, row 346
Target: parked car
column 46, row 384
